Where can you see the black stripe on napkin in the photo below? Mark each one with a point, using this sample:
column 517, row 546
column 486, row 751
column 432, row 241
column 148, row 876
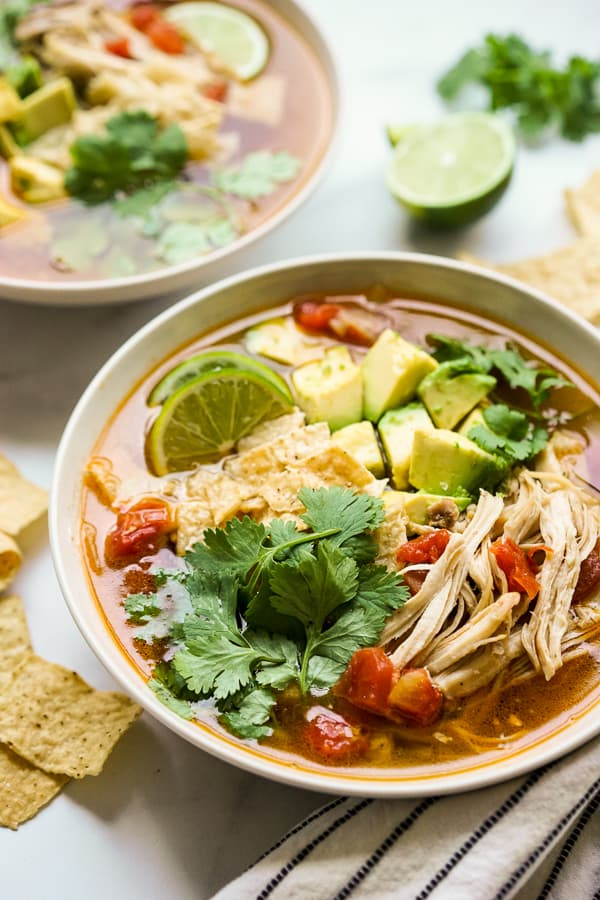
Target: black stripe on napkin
column 302, row 854
column 517, row 875
column 383, row 848
column 568, row 845
column 480, row 832
column 299, row 827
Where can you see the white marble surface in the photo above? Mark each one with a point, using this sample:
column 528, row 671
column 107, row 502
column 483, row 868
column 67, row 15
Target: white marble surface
column 166, row 820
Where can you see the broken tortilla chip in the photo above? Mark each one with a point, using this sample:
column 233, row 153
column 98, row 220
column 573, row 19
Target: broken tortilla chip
column 24, row 789
column 10, row 562
column 570, row 275
column 583, row 206
column 53, row 719
column 21, row 502
column 15, row 643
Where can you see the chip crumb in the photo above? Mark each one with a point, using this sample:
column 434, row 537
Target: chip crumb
column 54, row 720
column 10, row 561
column 21, row 502
column 24, row 789
column 15, row 643
column 583, row 206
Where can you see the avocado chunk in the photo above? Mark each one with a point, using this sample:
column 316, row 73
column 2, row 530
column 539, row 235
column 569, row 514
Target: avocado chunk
column 9, row 213
column 445, row 462
column 11, row 104
column 392, row 370
column 397, row 429
column 8, row 145
column 25, row 76
column 280, row 339
column 35, row 181
column 360, row 441
column 417, row 506
column 450, row 394
column 49, row 106
column 330, row 389
column 475, row 417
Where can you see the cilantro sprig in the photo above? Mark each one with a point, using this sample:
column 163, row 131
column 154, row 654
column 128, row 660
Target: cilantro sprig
column 509, row 434
column 273, row 605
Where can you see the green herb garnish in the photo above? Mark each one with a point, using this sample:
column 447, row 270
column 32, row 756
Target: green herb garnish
column 509, row 434
column 526, row 80
column 258, row 174
column 273, row 605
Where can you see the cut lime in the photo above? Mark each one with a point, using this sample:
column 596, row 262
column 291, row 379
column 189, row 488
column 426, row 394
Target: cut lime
column 451, row 173
column 397, row 133
column 205, row 418
column 234, row 39
column 209, row 361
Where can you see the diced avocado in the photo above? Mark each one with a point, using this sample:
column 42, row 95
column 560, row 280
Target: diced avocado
column 445, row 462
column 25, row 76
column 10, row 213
column 281, row 339
column 8, row 145
column 475, row 417
column 11, row 105
column 450, row 395
column 330, row 389
column 49, row 106
column 392, row 370
column 397, row 429
column 35, row 181
column 360, row 441
column 416, row 505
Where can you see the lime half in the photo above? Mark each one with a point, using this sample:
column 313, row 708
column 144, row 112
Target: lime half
column 234, row 39
column 209, row 361
column 203, row 420
column 452, row 172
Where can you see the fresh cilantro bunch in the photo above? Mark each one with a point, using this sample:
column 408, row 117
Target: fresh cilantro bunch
column 516, row 371
column 274, row 605
column 519, row 77
column 133, row 153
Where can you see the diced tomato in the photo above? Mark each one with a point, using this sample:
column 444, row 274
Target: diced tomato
column 346, row 321
column 119, row 47
column 315, row 315
column 217, row 90
column 138, row 530
column 415, row 580
column 331, row 736
column 589, row 577
column 143, row 15
column 535, row 554
column 520, row 575
column 427, row 548
column 165, row 37
column 416, row 698
column 368, row 680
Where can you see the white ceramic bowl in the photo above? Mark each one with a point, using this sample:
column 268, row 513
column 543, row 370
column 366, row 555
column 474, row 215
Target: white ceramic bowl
column 413, row 275
column 206, row 269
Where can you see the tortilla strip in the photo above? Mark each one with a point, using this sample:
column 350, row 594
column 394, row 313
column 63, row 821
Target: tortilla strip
column 21, row 502
column 24, row 789
column 15, row 643
column 583, row 206
column 10, row 562
column 571, row 275
column 53, row 719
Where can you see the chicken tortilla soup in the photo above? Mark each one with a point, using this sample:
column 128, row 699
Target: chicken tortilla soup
column 358, row 530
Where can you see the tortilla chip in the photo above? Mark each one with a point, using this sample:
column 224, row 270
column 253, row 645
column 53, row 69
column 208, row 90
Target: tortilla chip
column 261, row 462
column 24, row 789
column 571, row 275
column 53, row 719
column 15, row 643
column 272, row 429
column 10, row 562
column 392, row 531
column 583, row 206
column 193, row 518
column 21, row 502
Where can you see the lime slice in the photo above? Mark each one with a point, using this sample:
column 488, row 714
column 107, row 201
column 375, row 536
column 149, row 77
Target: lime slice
column 234, row 39
column 209, row 361
column 452, row 172
column 205, row 418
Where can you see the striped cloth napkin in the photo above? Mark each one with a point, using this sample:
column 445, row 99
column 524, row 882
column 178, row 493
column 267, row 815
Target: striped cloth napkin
column 531, row 838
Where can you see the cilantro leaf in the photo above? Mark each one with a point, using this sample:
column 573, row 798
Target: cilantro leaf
column 234, row 548
column 141, row 607
column 214, row 598
column 216, row 665
column 132, row 153
column 182, row 708
column 254, row 710
column 337, row 507
column 508, row 434
column 380, row 589
column 323, row 672
column 258, row 174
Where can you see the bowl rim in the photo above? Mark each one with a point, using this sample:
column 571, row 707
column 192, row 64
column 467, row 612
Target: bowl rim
column 169, row 278
column 249, row 757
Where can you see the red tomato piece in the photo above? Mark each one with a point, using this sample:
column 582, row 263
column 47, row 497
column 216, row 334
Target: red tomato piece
column 427, row 548
column 138, row 530
column 315, row 315
column 143, row 15
column 415, row 580
column 416, row 698
column 164, row 37
column 515, row 565
column 368, row 680
column 589, row 577
column 216, row 91
column 119, row 47
column 329, row 734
